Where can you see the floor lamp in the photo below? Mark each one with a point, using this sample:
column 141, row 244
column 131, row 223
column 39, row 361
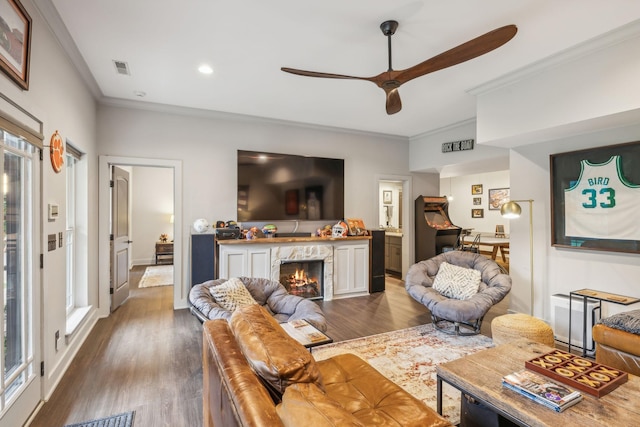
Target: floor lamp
column 512, row 209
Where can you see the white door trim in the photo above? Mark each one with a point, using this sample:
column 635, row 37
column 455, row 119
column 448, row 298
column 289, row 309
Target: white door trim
column 407, row 215
column 179, row 276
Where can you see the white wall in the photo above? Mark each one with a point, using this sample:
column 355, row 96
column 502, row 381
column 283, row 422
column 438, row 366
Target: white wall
column 590, row 87
column 151, row 208
column 558, row 270
column 427, row 156
column 460, row 207
column 207, row 144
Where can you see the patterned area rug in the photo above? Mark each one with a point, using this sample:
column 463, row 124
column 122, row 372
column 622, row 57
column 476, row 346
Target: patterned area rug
column 409, row 358
column 120, row 420
column 157, row 275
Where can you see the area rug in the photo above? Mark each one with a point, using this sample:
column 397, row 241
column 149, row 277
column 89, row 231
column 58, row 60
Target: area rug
column 157, row 275
column 409, row 357
column 120, row 420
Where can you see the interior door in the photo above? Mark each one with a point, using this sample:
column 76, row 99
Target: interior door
column 119, row 236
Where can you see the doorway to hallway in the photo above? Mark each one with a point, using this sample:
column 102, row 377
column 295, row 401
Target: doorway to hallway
column 173, row 213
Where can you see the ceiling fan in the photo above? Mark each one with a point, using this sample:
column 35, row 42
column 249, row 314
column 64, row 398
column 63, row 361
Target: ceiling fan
column 391, row 79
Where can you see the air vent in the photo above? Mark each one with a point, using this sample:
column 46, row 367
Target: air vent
column 122, row 67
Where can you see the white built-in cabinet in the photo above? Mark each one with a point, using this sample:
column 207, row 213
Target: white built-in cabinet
column 351, row 269
column 245, row 262
column 252, row 259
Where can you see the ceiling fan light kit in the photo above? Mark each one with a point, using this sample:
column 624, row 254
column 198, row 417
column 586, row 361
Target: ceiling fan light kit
column 391, row 80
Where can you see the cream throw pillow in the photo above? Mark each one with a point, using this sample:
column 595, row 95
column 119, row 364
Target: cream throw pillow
column 232, row 294
column 457, row 282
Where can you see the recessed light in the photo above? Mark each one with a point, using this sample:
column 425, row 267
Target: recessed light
column 205, row 69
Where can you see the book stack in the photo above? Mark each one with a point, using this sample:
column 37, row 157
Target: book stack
column 542, row 390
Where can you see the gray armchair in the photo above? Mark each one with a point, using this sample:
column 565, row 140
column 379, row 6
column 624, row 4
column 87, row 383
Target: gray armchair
column 269, row 294
column 450, row 315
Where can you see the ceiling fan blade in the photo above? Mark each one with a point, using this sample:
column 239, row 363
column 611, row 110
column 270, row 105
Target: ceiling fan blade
column 394, row 104
column 464, row 52
column 323, row 75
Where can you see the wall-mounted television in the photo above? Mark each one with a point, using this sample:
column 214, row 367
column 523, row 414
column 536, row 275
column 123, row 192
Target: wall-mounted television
column 276, row 187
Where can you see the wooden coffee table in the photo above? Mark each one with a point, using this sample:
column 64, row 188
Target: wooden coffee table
column 480, row 376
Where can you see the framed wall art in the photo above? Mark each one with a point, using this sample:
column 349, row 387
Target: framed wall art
column 477, row 201
column 477, row 213
column 595, row 198
column 498, row 197
column 356, row 227
column 476, row 189
column 15, row 41
column 387, row 197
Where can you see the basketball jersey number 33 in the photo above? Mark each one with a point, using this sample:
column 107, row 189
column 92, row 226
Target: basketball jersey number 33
column 602, row 203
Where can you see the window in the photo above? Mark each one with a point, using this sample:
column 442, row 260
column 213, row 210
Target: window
column 71, row 161
column 76, row 289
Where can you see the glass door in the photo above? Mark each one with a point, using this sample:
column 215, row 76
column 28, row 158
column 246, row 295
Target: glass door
column 20, row 379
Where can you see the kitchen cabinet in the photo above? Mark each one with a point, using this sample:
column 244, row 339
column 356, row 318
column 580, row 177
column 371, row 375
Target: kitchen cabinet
column 393, row 253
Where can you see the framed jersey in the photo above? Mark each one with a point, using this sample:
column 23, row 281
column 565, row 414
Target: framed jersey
column 595, row 198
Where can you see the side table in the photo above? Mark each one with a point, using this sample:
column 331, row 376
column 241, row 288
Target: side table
column 305, row 333
column 586, row 295
column 165, row 252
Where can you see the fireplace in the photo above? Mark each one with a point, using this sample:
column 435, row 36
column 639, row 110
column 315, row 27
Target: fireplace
column 281, row 255
column 303, row 277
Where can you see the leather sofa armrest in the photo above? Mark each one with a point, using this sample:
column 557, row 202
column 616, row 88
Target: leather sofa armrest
column 232, row 393
column 617, row 338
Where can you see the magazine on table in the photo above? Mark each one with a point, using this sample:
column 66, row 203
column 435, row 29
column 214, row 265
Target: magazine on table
column 298, row 323
column 542, row 390
column 304, row 332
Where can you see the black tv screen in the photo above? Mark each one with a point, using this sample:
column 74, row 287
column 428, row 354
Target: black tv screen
column 274, row 187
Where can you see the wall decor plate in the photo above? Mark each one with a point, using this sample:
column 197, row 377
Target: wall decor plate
column 57, row 152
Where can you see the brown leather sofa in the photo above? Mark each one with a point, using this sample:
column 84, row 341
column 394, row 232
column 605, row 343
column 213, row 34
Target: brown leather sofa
column 257, row 375
column 616, row 347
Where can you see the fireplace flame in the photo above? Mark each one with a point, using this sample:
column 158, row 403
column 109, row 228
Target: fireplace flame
column 301, row 278
column 298, row 281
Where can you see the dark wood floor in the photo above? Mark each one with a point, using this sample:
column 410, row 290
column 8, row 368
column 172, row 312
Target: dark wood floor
column 147, row 357
column 391, row 310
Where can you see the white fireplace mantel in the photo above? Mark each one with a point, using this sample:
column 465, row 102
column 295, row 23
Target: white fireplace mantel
column 346, row 261
column 305, row 252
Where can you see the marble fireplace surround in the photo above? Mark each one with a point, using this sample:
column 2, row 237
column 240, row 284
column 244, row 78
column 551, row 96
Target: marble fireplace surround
column 305, row 253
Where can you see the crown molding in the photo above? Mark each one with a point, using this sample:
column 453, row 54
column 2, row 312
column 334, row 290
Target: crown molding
column 53, row 20
column 452, row 126
column 219, row 115
column 588, row 47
